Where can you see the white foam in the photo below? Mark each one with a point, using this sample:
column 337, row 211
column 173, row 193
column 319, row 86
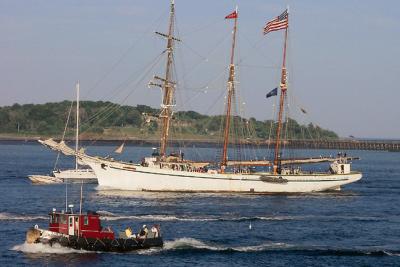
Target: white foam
column 392, row 254
column 4, row 216
column 46, row 249
column 191, row 243
column 108, row 216
column 105, row 213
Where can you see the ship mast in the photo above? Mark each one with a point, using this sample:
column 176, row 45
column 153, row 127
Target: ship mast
column 231, row 92
column 283, row 85
column 77, row 126
column 167, row 85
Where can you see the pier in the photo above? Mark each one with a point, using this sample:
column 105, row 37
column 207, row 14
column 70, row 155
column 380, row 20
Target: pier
column 385, row 145
column 339, row 144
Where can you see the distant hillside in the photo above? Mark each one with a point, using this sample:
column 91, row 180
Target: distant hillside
column 108, row 120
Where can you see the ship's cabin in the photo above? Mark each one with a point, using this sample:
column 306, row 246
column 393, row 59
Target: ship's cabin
column 84, row 225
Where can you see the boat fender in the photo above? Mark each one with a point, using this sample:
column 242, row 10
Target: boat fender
column 53, row 241
column 32, row 236
column 115, row 243
column 73, row 243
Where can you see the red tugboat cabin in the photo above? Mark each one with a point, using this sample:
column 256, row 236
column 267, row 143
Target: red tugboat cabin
column 82, row 225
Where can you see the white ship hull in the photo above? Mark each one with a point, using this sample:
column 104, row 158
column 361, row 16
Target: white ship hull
column 76, row 174
column 124, row 176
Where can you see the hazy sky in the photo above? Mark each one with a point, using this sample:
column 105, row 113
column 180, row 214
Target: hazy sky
column 343, row 56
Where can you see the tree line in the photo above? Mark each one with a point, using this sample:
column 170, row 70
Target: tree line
column 96, row 116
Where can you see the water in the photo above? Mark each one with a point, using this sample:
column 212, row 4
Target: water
column 359, row 226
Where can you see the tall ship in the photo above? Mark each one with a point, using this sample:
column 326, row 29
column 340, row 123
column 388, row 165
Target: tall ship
column 166, row 170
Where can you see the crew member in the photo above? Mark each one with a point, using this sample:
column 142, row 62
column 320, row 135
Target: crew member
column 154, row 230
column 144, row 231
column 129, row 233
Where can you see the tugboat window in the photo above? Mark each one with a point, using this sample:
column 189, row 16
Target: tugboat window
column 63, row 219
column 86, row 220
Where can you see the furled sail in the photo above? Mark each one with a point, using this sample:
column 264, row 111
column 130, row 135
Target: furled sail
column 120, row 149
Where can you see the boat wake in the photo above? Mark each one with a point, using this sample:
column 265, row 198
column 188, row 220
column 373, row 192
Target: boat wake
column 108, row 216
column 46, row 249
column 4, row 216
column 193, row 245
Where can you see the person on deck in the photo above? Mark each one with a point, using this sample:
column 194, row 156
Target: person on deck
column 143, row 232
column 129, row 233
column 155, row 231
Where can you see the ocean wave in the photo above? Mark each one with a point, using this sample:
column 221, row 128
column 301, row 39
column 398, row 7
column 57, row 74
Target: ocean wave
column 46, row 249
column 4, row 216
column 109, row 216
column 186, row 244
column 191, row 244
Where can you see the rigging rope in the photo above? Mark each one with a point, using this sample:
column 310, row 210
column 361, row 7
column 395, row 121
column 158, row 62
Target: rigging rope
column 63, row 135
column 124, row 54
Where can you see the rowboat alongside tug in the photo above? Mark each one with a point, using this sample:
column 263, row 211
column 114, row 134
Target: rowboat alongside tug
column 84, row 232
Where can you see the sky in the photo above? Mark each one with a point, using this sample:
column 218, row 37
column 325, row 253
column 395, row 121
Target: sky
column 343, row 57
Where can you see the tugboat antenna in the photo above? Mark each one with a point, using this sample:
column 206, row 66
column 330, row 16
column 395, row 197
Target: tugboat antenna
column 66, row 195
column 80, row 203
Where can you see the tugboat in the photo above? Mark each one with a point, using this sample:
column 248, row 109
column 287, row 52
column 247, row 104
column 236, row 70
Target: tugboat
column 83, row 231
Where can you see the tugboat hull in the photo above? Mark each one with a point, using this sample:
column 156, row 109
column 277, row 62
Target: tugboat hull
column 107, row 245
column 92, row 244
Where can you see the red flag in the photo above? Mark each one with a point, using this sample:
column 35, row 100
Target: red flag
column 233, row 15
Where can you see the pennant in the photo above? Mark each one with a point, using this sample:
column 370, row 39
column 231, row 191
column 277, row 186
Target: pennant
column 273, row 92
column 233, row 15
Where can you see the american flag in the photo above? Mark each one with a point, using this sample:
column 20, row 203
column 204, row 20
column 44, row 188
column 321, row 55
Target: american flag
column 278, row 23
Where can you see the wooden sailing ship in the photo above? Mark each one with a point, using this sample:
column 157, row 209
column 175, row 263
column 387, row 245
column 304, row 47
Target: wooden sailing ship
column 171, row 172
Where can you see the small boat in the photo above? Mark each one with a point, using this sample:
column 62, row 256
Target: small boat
column 45, row 179
column 83, row 231
column 78, row 174
column 61, row 176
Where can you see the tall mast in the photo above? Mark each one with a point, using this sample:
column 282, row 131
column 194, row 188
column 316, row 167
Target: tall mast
column 167, row 85
column 77, row 126
column 282, row 98
column 231, row 92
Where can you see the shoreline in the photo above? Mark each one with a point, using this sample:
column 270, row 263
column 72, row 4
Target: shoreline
column 333, row 144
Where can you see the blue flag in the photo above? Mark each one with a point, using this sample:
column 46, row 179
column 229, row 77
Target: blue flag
column 273, row 92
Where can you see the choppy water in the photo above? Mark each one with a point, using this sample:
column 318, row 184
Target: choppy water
column 359, row 226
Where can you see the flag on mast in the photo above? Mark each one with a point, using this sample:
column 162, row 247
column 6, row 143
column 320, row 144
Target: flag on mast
column 233, row 15
column 279, row 23
column 273, row 92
